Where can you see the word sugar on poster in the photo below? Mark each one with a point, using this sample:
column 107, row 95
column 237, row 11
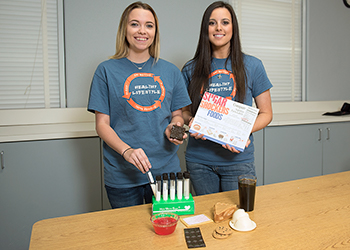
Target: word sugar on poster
column 224, row 121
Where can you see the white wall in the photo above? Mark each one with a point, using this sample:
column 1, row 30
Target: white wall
column 328, row 51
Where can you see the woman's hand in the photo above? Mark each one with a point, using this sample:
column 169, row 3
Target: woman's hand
column 232, row 149
column 176, row 119
column 198, row 136
column 138, row 158
column 195, row 135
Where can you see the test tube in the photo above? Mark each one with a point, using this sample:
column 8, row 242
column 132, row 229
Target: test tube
column 151, row 182
column 158, row 187
column 172, row 186
column 186, row 185
column 179, row 185
column 165, row 186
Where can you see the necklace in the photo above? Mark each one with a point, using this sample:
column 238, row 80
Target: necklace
column 138, row 66
column 219, row 76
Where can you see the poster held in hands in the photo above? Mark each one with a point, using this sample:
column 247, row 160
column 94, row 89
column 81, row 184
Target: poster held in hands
column 224, row 121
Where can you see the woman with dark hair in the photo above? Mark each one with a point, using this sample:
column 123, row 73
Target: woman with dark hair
column 220, row 67
column 137, row 98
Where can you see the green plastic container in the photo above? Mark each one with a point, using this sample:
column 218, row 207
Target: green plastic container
column 179, row 207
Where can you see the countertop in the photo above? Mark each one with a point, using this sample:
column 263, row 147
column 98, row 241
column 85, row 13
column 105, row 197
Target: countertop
column 310, row 213
column 294, row 113
column 46, row 124
column 60, row 123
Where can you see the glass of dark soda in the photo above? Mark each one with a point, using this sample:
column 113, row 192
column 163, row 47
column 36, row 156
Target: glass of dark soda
column 246, row 190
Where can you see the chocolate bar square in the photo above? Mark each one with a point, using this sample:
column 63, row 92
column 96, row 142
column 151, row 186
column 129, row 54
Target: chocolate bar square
column 194, row 238
column 177, row 132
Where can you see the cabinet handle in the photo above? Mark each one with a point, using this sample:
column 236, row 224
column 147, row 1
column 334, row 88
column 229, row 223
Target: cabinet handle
column 2, row 159
column 319, row 134
column 328, row 133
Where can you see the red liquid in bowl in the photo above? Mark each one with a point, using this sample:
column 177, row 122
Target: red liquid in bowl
column 164, row 225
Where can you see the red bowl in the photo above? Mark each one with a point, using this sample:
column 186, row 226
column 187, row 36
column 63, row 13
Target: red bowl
column 164, row 223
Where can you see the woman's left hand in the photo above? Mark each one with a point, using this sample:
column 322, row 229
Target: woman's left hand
column 232, row 149
column 168, row 131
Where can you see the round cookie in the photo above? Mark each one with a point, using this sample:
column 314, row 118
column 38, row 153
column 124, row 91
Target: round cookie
column 224, row 230
column 220, row 236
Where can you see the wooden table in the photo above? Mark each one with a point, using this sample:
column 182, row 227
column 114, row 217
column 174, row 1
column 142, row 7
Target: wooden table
column 312, row 213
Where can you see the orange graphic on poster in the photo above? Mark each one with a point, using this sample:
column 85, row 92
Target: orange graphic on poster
column 127, row 93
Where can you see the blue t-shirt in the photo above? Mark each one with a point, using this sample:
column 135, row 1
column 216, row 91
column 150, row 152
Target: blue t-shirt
column 139, row 103
column 222, row 84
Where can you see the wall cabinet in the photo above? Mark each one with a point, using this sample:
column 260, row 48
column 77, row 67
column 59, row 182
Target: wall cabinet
column 301, row 151
column 45, row 179
column 336, row 145
column 259, row 156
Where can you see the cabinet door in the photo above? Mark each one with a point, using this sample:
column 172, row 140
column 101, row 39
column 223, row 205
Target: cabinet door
column 105, row 202
column 45, row 179
column 336, row 147
column 259, row 155
column 292, row 152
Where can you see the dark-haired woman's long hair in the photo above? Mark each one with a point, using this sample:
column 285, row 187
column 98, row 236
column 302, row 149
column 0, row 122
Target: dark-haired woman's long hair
column 201, row 62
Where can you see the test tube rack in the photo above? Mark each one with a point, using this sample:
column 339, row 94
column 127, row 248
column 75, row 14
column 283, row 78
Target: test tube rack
column 179, row 207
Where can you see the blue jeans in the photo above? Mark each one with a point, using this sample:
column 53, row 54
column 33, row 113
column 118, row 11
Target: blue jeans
column 125, row 197
column 208, row 179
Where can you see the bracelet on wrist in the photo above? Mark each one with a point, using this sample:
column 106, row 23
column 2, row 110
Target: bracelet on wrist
column 125, row 151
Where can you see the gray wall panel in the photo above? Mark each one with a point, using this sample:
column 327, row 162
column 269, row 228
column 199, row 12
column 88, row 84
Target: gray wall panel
column 328, row 53
column 90, row 31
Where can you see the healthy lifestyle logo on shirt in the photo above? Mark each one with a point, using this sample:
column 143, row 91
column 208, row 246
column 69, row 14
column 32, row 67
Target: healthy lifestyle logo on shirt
column 139, row 85
column 226, row 84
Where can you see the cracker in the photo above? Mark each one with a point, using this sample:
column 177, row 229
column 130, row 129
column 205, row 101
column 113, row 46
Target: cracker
column 195, row 220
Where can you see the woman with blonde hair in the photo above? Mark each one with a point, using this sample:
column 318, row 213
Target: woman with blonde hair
column 137, row 97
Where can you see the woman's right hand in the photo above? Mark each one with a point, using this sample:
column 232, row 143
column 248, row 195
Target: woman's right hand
column 196, row 135
column 138, row 158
